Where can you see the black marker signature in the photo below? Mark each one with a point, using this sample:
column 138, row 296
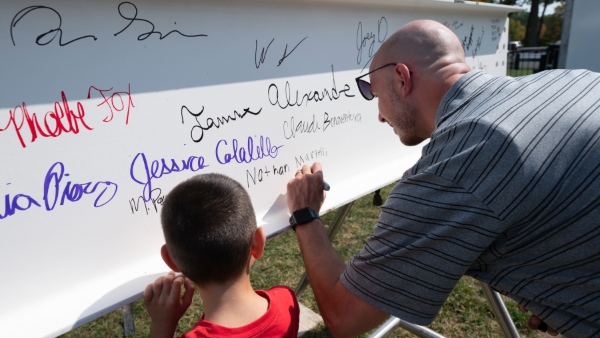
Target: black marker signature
column 258, row 61
column 212, row 123
column 479, row 41
column 299, row 99
column 263, row 54
column 310, row 157
column 146, row 35
column 135, row 204
column 286, row 54
column 57, row 31
column 468, row 40
column 369, row 39
column 261, row 174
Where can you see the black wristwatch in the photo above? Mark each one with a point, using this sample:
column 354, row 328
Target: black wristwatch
column 302, row 216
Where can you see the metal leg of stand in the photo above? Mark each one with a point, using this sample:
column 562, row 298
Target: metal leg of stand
column 494, row 299
column 392, row 323
column 334, row 227
column 499, row 309
column 128, row 322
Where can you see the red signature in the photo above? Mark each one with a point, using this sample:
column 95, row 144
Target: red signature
column 53, row 123
column 114, row 101
column 63, row 119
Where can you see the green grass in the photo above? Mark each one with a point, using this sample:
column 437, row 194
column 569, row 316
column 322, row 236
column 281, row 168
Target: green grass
column 519, row 72
column 465, row 314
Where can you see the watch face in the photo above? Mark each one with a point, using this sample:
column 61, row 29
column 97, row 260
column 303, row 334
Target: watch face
column 303, row 216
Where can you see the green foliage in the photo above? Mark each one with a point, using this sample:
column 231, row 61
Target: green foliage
column 549, row 31
column 521, row 17
column 516, row 30
column 465, row 314
column 552, row 28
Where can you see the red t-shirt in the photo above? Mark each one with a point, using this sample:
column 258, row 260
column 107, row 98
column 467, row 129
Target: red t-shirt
column 281, row 319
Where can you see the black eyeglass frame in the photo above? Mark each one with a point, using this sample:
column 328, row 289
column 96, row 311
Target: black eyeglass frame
column 359, row 79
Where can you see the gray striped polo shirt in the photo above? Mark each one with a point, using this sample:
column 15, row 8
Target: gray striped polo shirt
column 507, row 191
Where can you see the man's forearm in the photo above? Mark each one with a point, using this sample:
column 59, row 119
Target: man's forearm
column 343, row 313
column 323, row 264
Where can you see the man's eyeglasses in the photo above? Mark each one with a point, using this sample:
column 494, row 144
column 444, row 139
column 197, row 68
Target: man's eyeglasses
column 364, row 87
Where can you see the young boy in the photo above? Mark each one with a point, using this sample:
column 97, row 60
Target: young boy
column 212, row 238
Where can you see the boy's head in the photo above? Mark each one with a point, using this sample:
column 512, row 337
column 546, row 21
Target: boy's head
column 209, row 223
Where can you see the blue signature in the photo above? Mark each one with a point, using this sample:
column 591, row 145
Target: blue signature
column 58, row 190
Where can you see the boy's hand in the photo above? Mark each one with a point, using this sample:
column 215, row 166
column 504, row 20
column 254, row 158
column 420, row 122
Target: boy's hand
column 166, row 305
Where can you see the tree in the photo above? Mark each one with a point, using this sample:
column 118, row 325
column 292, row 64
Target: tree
column 516, row 30
column 531, row 34
column 536, row 31
column 542, row 17
column 516, row 25
column 552, row 29
column 529, row 27
column 522, row 17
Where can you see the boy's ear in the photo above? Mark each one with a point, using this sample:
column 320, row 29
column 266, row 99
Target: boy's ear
column 167, row 258
column 258, row 243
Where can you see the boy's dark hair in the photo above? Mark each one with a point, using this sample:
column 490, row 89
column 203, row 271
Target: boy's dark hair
column 208, row 222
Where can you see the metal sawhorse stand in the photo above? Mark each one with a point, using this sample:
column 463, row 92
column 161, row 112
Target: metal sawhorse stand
column 496, row 303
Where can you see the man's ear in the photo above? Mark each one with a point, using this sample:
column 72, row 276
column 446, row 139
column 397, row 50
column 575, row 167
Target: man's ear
column 403, row 75
column 258, row 243
column 167, row 258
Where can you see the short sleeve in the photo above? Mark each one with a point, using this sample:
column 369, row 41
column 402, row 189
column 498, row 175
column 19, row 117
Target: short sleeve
column 430, row 231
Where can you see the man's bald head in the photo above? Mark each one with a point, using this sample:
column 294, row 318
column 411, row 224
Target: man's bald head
column 428, row 58
column 422, row 44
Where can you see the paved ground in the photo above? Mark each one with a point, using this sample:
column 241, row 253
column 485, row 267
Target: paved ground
column 308, row 320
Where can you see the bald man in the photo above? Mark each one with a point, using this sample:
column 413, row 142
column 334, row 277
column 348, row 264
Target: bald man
column 506, row 191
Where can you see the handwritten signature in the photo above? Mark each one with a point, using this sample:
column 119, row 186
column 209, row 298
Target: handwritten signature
column 468, row 42
column 152, row 30
column 197, row 131
column 313, row 95
column 57, row 32
column 73, row 191
column 310, row 157
column 251, row 152
column 260, row 174
column 157, row 199
column 369, row 38
column 143, row 172
column 45, row 38
column 116, row 102
column 291, row 128
column 61, row 120
column 330, row 122
column 57, row 190
column 259, row 60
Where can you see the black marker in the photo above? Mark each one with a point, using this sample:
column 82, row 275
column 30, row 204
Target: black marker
column 326, row 186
